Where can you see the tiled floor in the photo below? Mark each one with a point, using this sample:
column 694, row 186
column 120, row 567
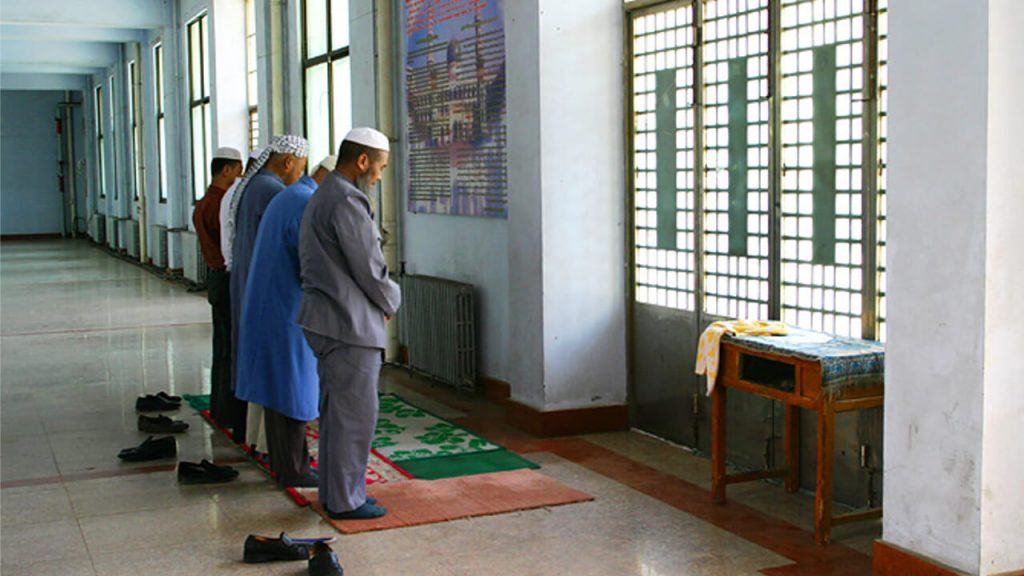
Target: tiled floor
column 84, row 333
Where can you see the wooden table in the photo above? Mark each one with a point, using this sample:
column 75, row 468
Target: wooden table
column 797, row 383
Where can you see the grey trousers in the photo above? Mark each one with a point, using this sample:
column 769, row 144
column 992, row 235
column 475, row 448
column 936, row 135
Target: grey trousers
column 349, row 377
column 286, row 442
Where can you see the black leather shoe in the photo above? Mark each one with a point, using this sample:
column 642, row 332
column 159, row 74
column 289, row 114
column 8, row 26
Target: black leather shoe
column 161, row 425
column 151, row 403
column 205, row 472
column 266, row 549
column 324, row 562
column 151, row 449
column 168, row 397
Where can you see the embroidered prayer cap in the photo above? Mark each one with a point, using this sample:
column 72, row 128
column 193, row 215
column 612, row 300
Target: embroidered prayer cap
column 227, row 153
column 369, row 137
column 329, row 163
column 290, row 144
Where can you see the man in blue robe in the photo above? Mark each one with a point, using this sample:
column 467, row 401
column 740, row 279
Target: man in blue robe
column 276, row 367
column 281, row 165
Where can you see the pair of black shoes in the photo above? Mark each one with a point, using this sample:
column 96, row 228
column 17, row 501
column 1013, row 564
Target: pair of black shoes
column 322, row 560
column 161, row 425
column 159, row 402
column 151, row 449
column 205, row 472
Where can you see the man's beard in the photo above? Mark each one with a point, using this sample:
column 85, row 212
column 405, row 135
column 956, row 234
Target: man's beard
column 363, row 183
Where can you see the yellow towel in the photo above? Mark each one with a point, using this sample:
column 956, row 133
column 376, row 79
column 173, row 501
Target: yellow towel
column 707, row 347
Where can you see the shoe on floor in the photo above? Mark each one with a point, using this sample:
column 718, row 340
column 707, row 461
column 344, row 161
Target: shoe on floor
column 168, row 397
column 161, row 425
column 364, row 512
column 267, row 549
column 151, row 403
column 151, row 449
column 323, row 561
column 205, row 472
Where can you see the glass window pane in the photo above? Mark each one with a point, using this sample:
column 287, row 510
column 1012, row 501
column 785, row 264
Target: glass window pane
column 316, row 28
column 339, row 24
column 198, row 157
column 194, row 61
column 162, row 129
column 205, row 36
column 341, row 92
column 317, row 112
column 158, row 93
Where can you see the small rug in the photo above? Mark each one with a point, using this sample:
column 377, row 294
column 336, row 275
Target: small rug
column 417, row 502
column 408, row 432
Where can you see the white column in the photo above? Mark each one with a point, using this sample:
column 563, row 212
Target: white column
column 954, row 414
column 566, row 194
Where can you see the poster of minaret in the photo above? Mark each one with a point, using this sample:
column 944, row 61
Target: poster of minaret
column 455, row 101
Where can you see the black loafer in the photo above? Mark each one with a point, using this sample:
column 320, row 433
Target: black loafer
column 266, row 549
column 151, row 449
column 205, row 472
column 324, row 562
column 151, row 403
column 168, row 397
column 161, row 425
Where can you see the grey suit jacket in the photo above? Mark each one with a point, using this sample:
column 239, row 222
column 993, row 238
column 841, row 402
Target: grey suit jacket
column 346, row 289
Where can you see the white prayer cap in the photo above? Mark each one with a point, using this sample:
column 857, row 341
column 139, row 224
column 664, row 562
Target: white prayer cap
column 227, row 153
column 255, row 154
column 369, row 137
column 329, row 163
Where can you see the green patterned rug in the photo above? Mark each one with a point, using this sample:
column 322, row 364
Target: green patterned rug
column 429, row 447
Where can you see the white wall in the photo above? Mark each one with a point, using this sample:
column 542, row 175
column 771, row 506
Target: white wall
column 29, row 194
column 229, row 98
column 583, row 203
column 936, row 278
column 954, row 414
column 1002, row 489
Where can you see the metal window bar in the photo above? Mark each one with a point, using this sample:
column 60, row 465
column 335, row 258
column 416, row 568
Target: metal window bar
column 663, row 98
column 805, row 255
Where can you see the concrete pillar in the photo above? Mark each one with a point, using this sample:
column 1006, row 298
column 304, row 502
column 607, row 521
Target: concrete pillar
column 566, row 204
column 954, row 413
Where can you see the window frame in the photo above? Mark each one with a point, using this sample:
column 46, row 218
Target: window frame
column 252, row 87
column 161, row 121
column 200, row 104
column 327, row 59
column 100, row 127
column 871, row 287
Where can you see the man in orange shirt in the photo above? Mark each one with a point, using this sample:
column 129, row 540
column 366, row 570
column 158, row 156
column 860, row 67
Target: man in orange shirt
column 226, row 166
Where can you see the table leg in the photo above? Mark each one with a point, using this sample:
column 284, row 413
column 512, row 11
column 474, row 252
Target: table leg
column 823, row 487
column 718, row 444
column 791, row 433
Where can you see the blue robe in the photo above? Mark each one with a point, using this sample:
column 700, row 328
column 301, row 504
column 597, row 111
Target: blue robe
column 276, row 367
column 255, row 199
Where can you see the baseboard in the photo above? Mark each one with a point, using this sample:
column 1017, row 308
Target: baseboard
column 49, row 236
column 566, row 422
column 495, row 390
column 891, row 560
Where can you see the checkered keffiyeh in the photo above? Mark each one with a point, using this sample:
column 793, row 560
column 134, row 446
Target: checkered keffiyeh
column 287, row 144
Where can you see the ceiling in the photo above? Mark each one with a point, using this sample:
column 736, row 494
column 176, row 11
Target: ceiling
column 60, row 44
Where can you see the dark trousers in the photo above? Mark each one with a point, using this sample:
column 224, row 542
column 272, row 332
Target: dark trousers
column 224, row 407
column 286, row 442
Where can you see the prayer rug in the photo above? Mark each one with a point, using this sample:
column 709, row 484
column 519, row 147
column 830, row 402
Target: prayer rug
column 417, row 502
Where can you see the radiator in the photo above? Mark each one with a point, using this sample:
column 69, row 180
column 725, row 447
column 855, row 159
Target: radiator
column 157, row 240
column 98, row 228
column 131, row 237
column 437, row 327
column 192, row 259
column 112, row 232
column 175, row 258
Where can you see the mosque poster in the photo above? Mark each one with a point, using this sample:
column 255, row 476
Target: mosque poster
column 455, row 101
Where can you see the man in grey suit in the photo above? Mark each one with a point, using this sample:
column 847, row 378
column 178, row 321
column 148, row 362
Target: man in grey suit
column 347, row 300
